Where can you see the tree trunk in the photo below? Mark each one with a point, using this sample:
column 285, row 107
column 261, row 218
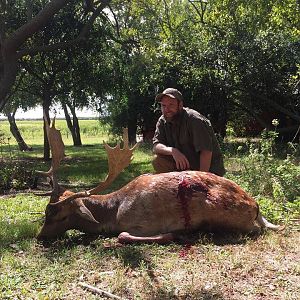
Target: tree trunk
column 16, row 133
column 77, row 137
column 8, row 75
column 132, row 126
column 132, row 130
column 223, row 113
column 73, row 126
column 132, row 117
column 219, row 116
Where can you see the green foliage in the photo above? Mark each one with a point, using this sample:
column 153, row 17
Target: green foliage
column 278, row 211
column 273, row 181
column 4, row 140
column 232, row 60
column 13, row 174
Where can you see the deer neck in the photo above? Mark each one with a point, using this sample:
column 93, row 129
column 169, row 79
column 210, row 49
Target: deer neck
column 104, row 208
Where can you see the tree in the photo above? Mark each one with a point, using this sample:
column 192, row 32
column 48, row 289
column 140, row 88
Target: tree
column 65, row 33
column 258, row 57
column 228, row 57
column 132, row 91
column 17, row 40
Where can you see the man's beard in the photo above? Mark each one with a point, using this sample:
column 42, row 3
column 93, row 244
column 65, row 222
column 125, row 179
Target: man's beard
column 173, row 117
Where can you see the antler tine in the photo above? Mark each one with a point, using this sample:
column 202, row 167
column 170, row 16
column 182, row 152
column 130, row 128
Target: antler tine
column 118, row 159
column 57, row 148
column 126, row 141
column 125, row 138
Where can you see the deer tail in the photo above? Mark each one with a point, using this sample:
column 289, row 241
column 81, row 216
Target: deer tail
column 264, row 223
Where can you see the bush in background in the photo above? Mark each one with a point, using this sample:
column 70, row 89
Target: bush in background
column 274, row 182
column 16, row 175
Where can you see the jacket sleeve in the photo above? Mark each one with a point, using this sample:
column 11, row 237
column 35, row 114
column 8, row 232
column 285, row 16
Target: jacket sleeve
column 160, row 133
column 202, row 133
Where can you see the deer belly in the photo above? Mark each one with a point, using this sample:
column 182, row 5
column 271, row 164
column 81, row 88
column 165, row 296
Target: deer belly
column 161, row 212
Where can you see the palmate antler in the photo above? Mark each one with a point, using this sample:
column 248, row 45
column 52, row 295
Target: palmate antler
column 118, row 159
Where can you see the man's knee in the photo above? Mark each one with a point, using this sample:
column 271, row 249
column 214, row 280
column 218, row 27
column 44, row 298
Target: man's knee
column 163, row 163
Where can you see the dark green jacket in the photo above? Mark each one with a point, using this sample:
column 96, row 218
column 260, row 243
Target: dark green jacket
column 190, row 132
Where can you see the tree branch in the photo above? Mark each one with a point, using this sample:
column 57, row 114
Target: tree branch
column 17, row 38
column 65, row 45
column 30, row 71
column 98, row 291
column 251, row 113
column 16, row 88
column 203, row 9
column 116, row 20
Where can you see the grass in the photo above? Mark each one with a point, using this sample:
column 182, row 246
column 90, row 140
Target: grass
column 212, row 267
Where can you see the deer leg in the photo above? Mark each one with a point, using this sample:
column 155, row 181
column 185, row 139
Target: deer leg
column 127, row 238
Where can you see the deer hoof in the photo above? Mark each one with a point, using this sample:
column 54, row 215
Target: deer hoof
column 124, row 237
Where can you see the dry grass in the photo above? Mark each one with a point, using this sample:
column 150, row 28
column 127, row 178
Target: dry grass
column 265, row 268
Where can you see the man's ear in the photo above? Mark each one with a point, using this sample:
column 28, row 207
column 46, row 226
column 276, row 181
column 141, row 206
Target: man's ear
column 86, row 214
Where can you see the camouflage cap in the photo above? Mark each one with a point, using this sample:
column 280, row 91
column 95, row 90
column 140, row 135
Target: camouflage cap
column 171, row 92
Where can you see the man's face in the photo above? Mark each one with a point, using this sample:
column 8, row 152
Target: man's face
column 170, row 107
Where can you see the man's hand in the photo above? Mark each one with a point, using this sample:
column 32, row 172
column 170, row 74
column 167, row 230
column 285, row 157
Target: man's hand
column 182, row 162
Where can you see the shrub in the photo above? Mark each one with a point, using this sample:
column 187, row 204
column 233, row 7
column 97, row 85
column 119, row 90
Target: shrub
column 264, row 174
column 16, row 175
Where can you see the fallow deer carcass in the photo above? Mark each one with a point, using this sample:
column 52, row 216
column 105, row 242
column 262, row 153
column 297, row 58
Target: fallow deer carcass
column 150, row 208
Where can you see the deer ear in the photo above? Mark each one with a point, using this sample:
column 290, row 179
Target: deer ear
column 86, row 214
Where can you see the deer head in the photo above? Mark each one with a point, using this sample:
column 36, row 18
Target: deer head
column 63, row 215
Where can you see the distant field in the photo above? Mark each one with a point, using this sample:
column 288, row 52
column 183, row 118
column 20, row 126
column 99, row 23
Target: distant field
column 82, row 165
column 92, row 131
